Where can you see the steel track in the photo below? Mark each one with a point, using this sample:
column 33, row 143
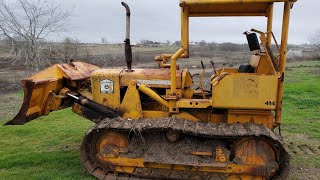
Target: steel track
column 203, row 129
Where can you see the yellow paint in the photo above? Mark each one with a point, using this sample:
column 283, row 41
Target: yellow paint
column 244, row 116
column 194, row 103
column 140, row 163
column 217, row 118
column 245, row 91
column 120, row 161
column 227, row 70
column 112, row 139
column 124, row 169
column 131, row 104
column 40, row 93
column 269, row 22
column 179, row 92
column 155, row 114
column 187, row 84
column 149, row 74
column 52, row 103
column 111, row 100
column 206, row 2
column 221, row 156
column 173, row 69
column 184, row 31
column 148, row 91
column 283, row 57
column 264, row 66
column 201, row 153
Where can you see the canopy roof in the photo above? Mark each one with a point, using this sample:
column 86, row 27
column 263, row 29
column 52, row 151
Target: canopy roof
column 198, row 8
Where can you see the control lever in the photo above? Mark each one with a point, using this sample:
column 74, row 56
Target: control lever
column 200, row 80
column 214, row 67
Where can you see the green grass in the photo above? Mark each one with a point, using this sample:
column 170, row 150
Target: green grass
column 48, row 148
column 301, row 118
column 302, row 100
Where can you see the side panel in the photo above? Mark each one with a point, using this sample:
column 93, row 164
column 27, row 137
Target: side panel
column 245, row 91
column 105, row 87
column 246, row 116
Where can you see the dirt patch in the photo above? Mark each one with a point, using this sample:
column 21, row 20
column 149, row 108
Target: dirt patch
column 299, row 173
column 307, row 149
column 154, row 147
column 303, row 149
column 163, row 151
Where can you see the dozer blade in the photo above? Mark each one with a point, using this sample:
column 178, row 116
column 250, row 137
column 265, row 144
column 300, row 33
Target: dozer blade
column 41, row 91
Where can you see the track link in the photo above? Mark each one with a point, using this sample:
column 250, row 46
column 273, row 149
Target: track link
column 199, row 129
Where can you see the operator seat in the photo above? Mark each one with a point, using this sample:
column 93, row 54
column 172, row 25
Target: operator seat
column 254, row 45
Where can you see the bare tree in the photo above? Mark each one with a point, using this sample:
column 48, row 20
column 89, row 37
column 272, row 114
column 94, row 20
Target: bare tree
column 177, row 43
column 70, row 48
column 168, row 43
column 202, row 43
column 27, row 23
column 315, row 39
column 104, row 40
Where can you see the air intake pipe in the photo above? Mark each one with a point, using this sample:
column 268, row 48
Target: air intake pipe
column 127, row 46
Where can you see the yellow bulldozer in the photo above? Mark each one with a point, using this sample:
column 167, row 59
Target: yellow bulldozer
column 152, row 123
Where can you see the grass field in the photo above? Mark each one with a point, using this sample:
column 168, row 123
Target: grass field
column 48, row 148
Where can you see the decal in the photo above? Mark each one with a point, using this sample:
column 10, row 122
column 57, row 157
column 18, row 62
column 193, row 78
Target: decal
column 154, row 82
column 106, row 86
column 270, row 103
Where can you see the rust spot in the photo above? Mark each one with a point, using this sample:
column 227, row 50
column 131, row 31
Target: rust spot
column 78, row 70
column 21, row 117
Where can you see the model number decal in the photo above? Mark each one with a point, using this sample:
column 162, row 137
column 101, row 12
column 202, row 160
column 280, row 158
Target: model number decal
column 154, row 82
column 270, row 103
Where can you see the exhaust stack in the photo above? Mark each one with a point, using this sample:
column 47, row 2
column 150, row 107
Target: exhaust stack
column 127, row 46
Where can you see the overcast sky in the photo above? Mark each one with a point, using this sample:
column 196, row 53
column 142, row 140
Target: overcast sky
column 159, row 21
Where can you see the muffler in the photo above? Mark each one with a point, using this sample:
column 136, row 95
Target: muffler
column 127, row 45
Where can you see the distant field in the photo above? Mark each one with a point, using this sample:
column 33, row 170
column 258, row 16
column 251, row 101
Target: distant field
column 48, row 148
column 113, row 55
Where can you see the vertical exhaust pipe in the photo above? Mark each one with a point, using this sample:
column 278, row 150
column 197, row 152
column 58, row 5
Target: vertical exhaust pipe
column 127, row 46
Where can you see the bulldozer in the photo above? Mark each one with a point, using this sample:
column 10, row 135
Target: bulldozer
column 153, row 123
